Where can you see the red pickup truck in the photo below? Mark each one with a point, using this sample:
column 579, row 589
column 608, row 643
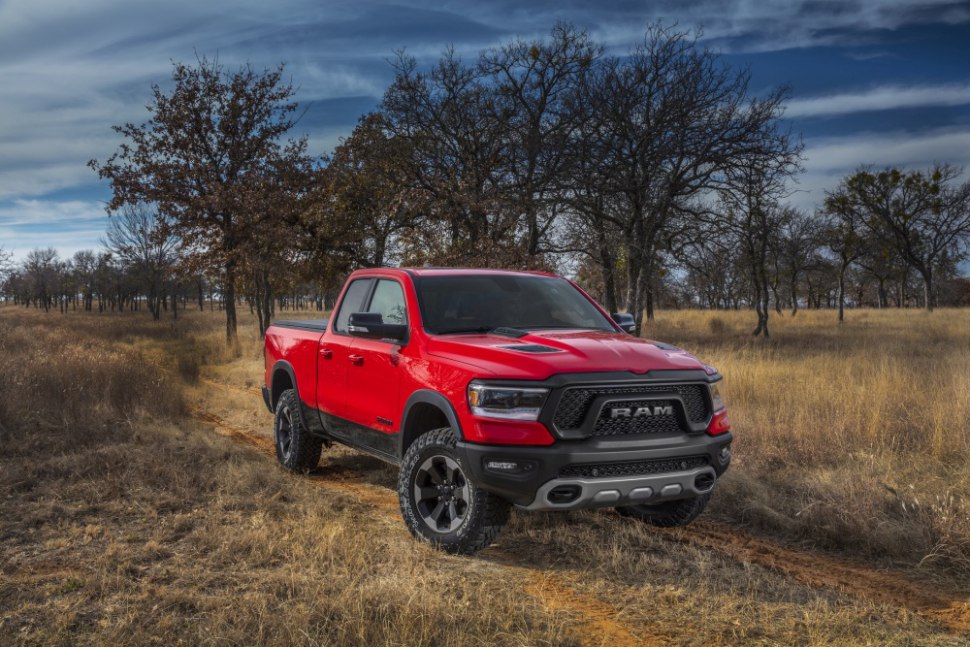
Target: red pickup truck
column 495, row 388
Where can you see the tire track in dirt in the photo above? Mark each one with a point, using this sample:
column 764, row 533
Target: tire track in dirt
column 366, row 493
column 596, row 622
column 948, row 609
column 821, row 571
column 247, row 390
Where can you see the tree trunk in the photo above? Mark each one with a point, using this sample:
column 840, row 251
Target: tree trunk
column 264, row 301
column 928, row 296
column 842, row 270
column 229, row 290
column 608, row 269
column 774, row 292
column 635, row 294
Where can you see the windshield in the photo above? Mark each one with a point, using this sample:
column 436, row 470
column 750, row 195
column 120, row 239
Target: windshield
column 457, row 304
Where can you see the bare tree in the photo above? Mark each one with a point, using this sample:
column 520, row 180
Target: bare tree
column 447, row 117
column 922, row 212
column 537, row 85
column 668, row 123
column 40, row 269
column 5, row 263
column 137, row 235
column 799, row 247
column 845, row 235
column 752, row 211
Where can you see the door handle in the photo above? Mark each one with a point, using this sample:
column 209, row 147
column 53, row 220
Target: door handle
column 356, row 360
column 326, row 353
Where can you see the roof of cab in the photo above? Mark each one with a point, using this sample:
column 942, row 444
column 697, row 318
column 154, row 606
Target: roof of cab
column 465, row 271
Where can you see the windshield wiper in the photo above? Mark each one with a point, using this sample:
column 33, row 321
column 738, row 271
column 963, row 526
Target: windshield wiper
column 565, row 327
column 506, row 331
column 481, row 330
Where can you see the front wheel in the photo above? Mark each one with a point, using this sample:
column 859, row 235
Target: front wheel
column 668, row 514
column 438, row 501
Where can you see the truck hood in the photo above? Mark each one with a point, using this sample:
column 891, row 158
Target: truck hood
column 542, row 354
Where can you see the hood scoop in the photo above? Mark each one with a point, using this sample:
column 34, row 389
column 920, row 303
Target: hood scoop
column 531, row 348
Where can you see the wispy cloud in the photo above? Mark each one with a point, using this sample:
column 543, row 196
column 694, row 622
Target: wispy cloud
column 67, row 225
column 887, row 97
column 69, row 70
column 829, row 159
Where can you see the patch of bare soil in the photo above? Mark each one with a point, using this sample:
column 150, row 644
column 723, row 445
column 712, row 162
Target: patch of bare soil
column 598, row 620
column 949, row 609
column 597, row 623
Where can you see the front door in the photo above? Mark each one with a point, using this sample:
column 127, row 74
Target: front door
column 374, row 373
column 333, row 355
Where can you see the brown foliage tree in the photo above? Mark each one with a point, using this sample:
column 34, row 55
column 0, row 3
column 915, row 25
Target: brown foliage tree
column 202, row 157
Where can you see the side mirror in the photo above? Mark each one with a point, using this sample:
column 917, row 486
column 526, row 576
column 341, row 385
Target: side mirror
column 370, row 325
column 625, row 321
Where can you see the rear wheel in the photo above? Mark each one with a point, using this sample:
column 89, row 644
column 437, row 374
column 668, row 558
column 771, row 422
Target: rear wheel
column 669, row 513
column 439, row 502
column 296, row 448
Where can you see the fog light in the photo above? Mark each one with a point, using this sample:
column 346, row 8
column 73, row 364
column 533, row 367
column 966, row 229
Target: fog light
column 508, row 467
column 505, row 466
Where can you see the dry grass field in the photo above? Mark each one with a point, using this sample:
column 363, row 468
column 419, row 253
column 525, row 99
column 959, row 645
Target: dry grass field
column 140, row 504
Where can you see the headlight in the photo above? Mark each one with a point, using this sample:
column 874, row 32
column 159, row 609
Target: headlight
column 506, row 402
column 716, row 398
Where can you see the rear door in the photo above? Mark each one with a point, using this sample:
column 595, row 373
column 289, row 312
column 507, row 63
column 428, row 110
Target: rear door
column 333, row 352
column 374, row 377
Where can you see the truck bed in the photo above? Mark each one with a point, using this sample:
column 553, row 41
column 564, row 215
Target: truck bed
column 312, row 325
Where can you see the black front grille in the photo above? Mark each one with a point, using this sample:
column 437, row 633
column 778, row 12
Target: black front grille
column 575, row 401
column 635, row 468
column 607, row 425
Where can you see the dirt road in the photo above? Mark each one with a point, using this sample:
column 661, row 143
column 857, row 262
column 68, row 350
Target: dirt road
column 598, row 622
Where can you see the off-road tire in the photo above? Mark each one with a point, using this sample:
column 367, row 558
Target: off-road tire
column 296, row 448
column 483, row 514
column 669, row 513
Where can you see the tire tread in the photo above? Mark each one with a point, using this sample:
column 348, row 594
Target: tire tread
column 489, row 512
column 305, row 448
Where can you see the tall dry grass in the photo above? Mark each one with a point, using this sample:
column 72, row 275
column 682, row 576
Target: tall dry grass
column 125, row 521
column 122, row 523
column 71, row 374
column 849, row 436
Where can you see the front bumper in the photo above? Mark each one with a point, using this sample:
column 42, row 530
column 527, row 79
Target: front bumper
column 597, row 472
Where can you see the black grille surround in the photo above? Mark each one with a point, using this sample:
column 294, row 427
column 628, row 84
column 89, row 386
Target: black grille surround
column 690, row 404
column 633, row 468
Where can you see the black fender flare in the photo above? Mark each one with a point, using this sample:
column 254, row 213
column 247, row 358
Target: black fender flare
column 281, row 366
column 435, row 399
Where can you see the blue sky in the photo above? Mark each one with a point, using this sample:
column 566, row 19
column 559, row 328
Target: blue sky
column 873, row 82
